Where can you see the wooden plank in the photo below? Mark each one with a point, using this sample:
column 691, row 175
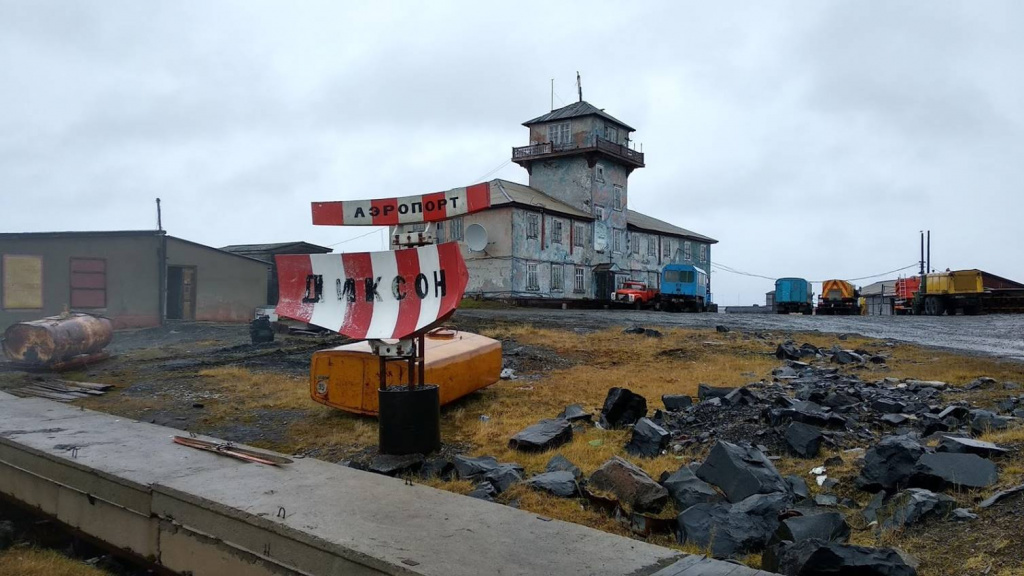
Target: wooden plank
column 60, row 389
column 47, row 394
column 89, row 385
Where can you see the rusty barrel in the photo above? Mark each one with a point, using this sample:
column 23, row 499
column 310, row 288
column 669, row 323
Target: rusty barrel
column 56, row 339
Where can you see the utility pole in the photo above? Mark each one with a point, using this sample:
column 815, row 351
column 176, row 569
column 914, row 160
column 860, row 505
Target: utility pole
column 159, row 220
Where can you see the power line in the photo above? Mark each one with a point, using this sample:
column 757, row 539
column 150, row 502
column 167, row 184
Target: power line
column 731, row 270
column 485, row 176
column 354, row 238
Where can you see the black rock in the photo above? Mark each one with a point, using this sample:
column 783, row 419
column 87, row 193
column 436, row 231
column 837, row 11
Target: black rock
column 651, row 333
column 648, row 439
column 634, row 330
column 984, row 421
column 474, row 468
column 889, row 464
column 958, row 412
column 958, row 470
column 544, row 435
column 895, row 419
column 391, row 465
column 788, row 351
column 846, row 357
column 503, row 476
column 687, row 490
column 803, row 440
column 630, row 485
column 7, row 534
column 676, row 402
column 741, row 396
column 484, row 491
column 732, row 530
column 558, row 483
column 574, row 412
column 437, row 468
column 740, row 471
column 813, row 557
column 798, row 488
column 826, row 500
column 706, row 392
column 721, row 329
column 829, row 526
column 622, row 408
column 886, row 406
column 559, row 463
column 1000, row 496
column 963, row 515
column 914, row 505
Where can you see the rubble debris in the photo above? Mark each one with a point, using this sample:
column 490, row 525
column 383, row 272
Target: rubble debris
column 914, row 505
column 798, row 487
column 629, row 485
column 721, row 329
column 261, row 330
column 963, row 515
column 503, row 476
column 544, row 435
column 622, row 408
column 483, row 491
column 1000, row 496
column 60, row 390
column 732, row 530
column 816, row 556
column 788, row 351
column 392, row 465
column 437, row 468
column 676, row 402
column 958, row 470
column 985, row 421
column 803, row 440
column 706, row 392
column 889, row 464
column 826, row 500
column 843, row 357
column 640, row 330
column 575, row 412
column 687, row 490
column 559, row 463
column 828, row 526
column 648, row 439
column 507, row 374
column 474, row 468
column 740, row 471
column 560, row 483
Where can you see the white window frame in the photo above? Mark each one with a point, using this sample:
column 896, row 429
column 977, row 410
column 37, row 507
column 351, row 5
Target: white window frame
column 703, row 253
column 456, row 228
column 599, row 212
column 599, row 173
column 579, row 232
column 634, row 244
column 532, row 225
column 557, row 278
column 532, row 282
column 560, row 133
column 611, row 133
column 556, row 231
column 617, row 202
column 652, row 246
column 666, row 247
column 687, row 252
column 618, row 236
column 439, row 232
column 578, row 283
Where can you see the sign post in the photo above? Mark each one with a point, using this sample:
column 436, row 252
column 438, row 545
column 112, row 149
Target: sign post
column 391, row 299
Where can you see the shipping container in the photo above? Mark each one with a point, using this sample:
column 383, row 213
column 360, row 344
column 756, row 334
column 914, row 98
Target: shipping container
column 793, row 295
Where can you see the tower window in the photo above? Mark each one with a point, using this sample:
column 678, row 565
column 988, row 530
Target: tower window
column 556, row 231
column 611, row 133
column 560, row 134
column 578, row 231
column 599, row 173
column 666, row 248
column 532, row 226
column 599, row 212
column 652, row 248
column 634, row 243
column 617, row 197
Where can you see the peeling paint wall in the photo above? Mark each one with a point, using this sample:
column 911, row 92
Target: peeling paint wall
column 228, row 287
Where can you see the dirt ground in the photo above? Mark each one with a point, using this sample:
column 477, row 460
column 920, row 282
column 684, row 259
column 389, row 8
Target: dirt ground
column 209, row 379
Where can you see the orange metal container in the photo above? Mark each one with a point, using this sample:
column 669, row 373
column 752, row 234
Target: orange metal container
column 348, row 377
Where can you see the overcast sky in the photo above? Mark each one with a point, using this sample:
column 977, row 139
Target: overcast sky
column 812, row 139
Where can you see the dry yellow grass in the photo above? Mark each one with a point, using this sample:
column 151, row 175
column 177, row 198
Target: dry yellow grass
column 36, row 562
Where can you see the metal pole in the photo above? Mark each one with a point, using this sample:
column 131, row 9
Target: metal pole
column 383, row 373
column 928, row 267
column 423, row 358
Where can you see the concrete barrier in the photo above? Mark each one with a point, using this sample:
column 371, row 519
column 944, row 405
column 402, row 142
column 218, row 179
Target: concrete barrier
column 127, row 484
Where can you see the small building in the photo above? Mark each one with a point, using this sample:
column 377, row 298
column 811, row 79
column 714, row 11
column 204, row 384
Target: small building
column 879, row 298
column 569, row 233
column 137, row 278
column 266, row 253
column 769, row 300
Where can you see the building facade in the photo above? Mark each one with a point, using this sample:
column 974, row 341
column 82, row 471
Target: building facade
column 569, row 233
column 135, row 278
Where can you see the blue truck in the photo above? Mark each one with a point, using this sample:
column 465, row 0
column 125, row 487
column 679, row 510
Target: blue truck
column 684, row 288
column 793, row 295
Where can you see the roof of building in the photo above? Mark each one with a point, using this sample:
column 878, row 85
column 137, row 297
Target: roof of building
column 646, row 223
column 888, row 287
column 576, row 110
column 504, row 192
column 298, row 247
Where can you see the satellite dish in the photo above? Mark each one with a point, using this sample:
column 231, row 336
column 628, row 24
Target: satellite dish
column 476, row 237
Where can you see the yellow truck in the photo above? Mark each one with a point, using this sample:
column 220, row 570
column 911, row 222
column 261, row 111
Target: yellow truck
column 971, row 291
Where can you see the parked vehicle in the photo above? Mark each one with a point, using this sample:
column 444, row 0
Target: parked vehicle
column 793, row 295
column 906, row 290
column 684, row 288
column 972, row 291
column 838, row 297
column 636, row 294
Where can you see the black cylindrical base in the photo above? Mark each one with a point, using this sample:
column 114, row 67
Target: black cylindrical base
column 409, row 420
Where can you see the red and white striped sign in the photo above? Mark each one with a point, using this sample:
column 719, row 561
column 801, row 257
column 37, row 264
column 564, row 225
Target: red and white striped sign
column 407, row 210
column 373, row 295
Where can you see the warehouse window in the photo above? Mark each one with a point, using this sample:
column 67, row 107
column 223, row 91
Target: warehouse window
column 703, row 253
column 559, row 134
column 577, row 285
column 556, row 231
column 579, row 230
column 455, row 229
column 440, row 232
column 557, row 277
column 652, row 246
column 634, row 243
column 531, row 276
column 532, row 226
column 22, row 282
column 666, row 248
column 617, row 197
column 687, row 255
column 617, row 240
column 88, row 283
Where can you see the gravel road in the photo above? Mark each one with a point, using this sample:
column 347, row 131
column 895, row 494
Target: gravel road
column 997, row 335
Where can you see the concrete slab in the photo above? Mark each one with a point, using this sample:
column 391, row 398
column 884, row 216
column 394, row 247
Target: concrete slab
column 308, row 517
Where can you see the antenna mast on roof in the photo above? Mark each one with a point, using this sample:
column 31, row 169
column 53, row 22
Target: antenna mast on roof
column 552, row 94
column 579, row 85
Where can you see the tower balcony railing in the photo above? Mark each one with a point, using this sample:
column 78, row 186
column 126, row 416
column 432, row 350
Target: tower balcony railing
column 585, row 144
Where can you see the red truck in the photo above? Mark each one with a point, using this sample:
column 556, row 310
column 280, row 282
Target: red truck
column 635, row 294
